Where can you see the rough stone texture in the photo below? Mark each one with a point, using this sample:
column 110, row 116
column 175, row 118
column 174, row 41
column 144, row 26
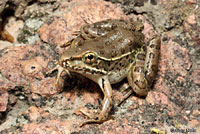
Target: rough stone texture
column 172, row 57
column 41, row 107
column 3, row 101
column 59, row 29
column 26, row 63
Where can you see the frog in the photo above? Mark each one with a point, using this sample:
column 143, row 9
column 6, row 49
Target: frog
column 107, row 52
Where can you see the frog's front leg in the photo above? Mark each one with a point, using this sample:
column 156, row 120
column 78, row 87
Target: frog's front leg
column 142, row 74
column 104, row 110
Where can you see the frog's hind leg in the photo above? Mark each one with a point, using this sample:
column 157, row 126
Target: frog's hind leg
column 143, row 72
column 151, row 60
column 102, row 113
column 136, row 77
column 127, row 95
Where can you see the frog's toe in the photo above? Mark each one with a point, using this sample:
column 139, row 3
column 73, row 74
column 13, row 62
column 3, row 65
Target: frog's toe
column 94, row 117
column 96, row 121
column 125, row 97
column 91, row 114
column 92, row 121
column 125, row 87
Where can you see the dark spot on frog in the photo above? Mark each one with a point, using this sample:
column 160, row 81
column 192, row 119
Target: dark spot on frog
column 130, row 61
column 93, row 72
column 108, row 63
column 122, row 51
column 152, row 45
column 165, row 38
column 112, row 68
column 118, row 68
column 116, row 63
column 144, row 48
column 103, row 82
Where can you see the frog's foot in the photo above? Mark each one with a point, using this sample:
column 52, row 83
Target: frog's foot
column 98, row 121
column 90, row 113
column 125, row 87
column 60, row 70
column 53, row 69
column 93, row 115
column 127, row 95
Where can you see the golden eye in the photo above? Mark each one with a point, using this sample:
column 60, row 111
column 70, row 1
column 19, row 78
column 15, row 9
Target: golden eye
column 89, row 58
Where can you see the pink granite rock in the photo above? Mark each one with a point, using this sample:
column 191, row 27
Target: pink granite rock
column 3, row 101
column 167, row 101
column 174, row 58
column 49, row 126
column 59, row 29
column 26, row 65
column 196, row 76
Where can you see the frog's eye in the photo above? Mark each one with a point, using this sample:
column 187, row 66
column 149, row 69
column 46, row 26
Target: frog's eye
column 89, row 58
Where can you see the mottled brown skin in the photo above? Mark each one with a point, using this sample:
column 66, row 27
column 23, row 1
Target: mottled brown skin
column 107, row 52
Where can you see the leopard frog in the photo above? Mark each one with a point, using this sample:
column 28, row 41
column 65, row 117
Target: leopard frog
column 107, row 52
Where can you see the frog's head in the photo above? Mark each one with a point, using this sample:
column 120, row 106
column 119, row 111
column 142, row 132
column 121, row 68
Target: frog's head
column 84, row 61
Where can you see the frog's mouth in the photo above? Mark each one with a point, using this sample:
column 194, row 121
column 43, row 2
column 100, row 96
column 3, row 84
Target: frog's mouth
column 80, row 67
column 68, row 67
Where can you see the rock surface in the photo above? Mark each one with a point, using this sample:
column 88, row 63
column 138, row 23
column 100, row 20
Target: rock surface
column 30, row 102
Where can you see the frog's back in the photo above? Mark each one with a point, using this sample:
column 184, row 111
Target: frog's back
column 116, row 43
